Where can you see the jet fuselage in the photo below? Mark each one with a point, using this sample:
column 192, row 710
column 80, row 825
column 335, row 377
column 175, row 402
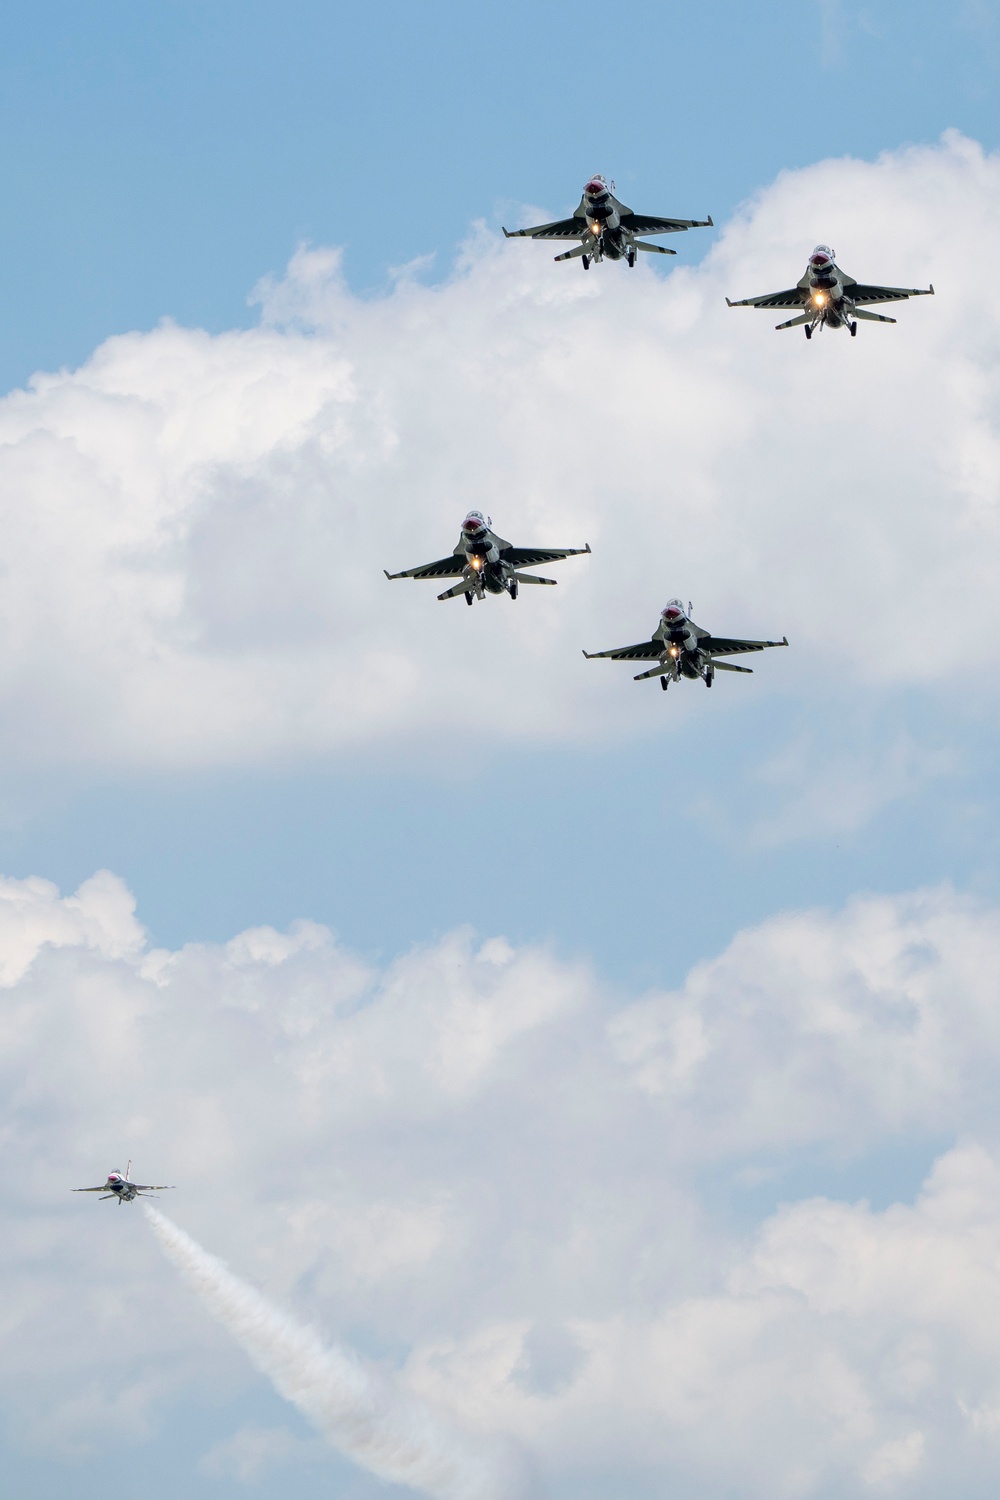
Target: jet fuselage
column 604, row 219
column 681, row 654
column 121, row 1187
column 825, row 290
column 482, row 555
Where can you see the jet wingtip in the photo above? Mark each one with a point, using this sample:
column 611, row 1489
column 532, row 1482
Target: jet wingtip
column 730, row 304
column 506, row 233
column 587, row 547
column 709, row 222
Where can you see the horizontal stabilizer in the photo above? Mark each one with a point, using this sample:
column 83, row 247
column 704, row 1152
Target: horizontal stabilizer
column 585, row 249
column 654, row 249
column 654, row 672
column 868, row 317
column 532, row 578
column 795, row 322
column 465, row 586
column 727, row 666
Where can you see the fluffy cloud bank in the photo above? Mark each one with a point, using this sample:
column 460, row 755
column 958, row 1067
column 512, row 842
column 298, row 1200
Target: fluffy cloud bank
column 546, row 1206
column 195, row 527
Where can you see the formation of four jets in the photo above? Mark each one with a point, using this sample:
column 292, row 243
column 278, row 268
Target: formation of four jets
column 484, row 563
column 608, row 229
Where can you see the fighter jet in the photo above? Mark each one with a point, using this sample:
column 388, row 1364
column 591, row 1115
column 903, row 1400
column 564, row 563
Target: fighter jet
column 830, row 298
column 682, row 649
column 485, row 564
column 121, row 1187
column 606, row 228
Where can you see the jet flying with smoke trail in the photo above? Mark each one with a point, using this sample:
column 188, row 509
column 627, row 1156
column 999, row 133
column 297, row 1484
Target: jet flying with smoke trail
column 360, row 1410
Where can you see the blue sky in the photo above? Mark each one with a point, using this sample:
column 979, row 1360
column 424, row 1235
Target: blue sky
column 604, row 1143
column 157, row 161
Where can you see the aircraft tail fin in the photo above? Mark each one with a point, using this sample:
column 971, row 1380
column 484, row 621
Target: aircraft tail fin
column 128, row 1169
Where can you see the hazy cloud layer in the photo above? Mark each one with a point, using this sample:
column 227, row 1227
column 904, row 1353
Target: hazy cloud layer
column 196, row 526
column 545, row 1206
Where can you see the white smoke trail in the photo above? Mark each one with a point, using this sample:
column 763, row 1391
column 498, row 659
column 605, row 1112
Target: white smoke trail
column 357, row 1408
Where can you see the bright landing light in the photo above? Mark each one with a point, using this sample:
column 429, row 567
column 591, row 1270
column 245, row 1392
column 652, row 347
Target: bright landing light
column 819, row 299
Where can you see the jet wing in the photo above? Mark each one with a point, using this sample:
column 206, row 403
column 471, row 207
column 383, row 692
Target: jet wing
column 792, row 298
column 860, row 293
column 559, row 229
column 100, row 1189
column 650, row 224
column 724, row 645
column 644, row 651
column 534, row 557
column 445, row 567
column 152, row 1187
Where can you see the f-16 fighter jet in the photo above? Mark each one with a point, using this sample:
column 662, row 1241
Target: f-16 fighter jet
column 606, row 228
column 681, row 648
column 121, row 1187
column 831, row 298
column 485, row 564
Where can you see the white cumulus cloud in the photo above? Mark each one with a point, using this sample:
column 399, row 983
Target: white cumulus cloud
column 539, row 1205
column 196, row 526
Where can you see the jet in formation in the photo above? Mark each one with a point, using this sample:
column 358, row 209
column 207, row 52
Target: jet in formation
column 831, row 298
column 485, row 564
column 120, row 1186
column 607, row 229
column 681, row 648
